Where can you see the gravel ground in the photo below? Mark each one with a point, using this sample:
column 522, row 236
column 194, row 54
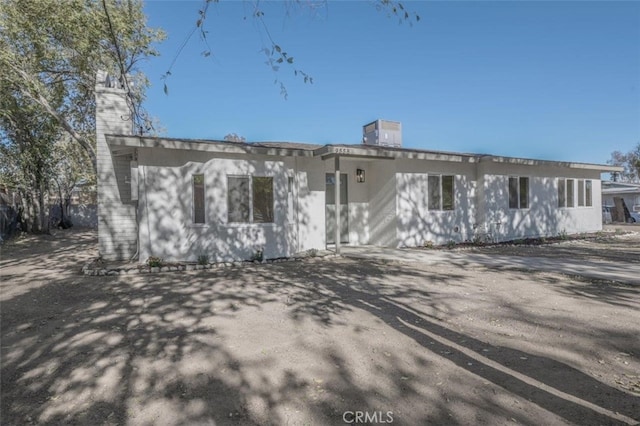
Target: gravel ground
column 616, row 244
column 306, row 342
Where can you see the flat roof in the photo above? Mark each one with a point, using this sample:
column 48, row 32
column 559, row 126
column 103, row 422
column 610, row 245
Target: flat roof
column 333, row 150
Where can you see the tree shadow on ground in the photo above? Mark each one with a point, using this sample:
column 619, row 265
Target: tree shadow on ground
column 156, row 349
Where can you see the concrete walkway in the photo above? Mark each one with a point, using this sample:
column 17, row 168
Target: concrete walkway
column 628, row 273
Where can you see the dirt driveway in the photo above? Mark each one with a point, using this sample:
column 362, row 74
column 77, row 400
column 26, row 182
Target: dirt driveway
column 311, row 342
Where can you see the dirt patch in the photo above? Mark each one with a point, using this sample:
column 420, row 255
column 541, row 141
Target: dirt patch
column 307, row 342
column 613, row 246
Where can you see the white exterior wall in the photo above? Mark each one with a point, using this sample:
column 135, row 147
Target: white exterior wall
column 543, row 217
column 117, row 228
column 382, row 203
column 166, row 207
column 310, row 184
column 416, row 224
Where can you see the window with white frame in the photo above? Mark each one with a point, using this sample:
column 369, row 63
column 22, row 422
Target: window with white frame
column 571, row 199
column 588, row 190
column 562, row 192
column 567, row 192
column 250, row 199
column 262, row 206
column 198, row 198
column 518, row 192
column 580, row 193
column 440, row 194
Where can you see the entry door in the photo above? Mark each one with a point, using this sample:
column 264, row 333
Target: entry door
column 330, row 209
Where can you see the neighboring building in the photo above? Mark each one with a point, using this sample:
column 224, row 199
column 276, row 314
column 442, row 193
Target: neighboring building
column 629, row 192
column 178, row 198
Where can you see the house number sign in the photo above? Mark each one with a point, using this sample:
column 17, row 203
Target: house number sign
column 342, row 150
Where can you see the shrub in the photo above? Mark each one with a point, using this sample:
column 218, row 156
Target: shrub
column 428, row 244
column 478, row 240
column 154, row 262
column 312, row 252
column 203, row 259
column 451, row 244
column 562, row 235
column 258, row 255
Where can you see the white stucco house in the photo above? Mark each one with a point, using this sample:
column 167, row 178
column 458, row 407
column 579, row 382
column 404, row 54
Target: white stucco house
column 178, row 199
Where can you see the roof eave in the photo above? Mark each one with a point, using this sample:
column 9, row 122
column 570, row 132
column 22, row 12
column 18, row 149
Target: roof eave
column 532, row 162
column 205, row 146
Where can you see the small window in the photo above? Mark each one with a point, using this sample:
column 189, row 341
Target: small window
column 262, row 199
column 580, row 193
column 434, row 192
column 441, row 193
column 198, row 199
column 570, row 193
column 562, row 191
column 238, row 199
column 513, row 192
column 250, row 200
column 447, row 193
column 588, row 193
column 518, row 192
column 524, row 192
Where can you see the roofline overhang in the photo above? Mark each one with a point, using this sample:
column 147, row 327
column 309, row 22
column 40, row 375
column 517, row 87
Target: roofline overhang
column 117, row 142
column 331, row 151
column 221, row 147
column 532, row 162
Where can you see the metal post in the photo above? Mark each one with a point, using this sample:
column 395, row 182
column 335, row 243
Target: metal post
column 337, row 203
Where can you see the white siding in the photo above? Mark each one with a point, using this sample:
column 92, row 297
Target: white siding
column 166, row 225
column 382, row 203
column 543, row 217
column 311, row 204
column 117, row 229
column 416, row 223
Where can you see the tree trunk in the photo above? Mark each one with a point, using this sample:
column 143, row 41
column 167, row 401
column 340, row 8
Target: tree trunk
column 43, row 216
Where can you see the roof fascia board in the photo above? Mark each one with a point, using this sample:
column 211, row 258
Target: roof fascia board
column 189, row 145
column 531, row 162
column 330, row 151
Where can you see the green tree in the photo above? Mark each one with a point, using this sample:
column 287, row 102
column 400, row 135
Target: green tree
column 50, row 52
column 630, row 162
column 26, row 141
column 71, row 166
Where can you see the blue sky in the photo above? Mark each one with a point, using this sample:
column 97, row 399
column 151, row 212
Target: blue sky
column 549, row 80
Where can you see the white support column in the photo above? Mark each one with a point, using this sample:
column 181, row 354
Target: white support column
column 337, row 203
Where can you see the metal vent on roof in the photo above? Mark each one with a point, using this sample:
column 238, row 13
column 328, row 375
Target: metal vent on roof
column 382, row 133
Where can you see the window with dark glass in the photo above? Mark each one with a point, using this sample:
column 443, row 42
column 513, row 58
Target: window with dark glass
column 433, row 183
column 250, row 199
column 262, row 199
column 440, row 192
column 570, row 193
column 447, row 193
column 580, row 193
column 562, row 193
column 588, row 193
column 198, row 199
column 513, row 192
column 524, row 192
column 238, row 199
column 518, row 192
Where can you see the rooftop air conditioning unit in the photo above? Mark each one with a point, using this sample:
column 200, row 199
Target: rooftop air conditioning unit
column 382, row 133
